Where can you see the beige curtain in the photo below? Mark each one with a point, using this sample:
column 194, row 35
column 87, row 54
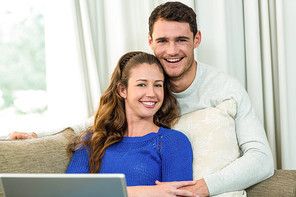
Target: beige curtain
column 252, row 40
column 88, row 27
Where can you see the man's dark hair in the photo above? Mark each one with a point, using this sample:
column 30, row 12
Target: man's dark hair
column 174, row 11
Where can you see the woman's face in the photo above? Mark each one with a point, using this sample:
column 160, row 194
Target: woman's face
column 144, row 94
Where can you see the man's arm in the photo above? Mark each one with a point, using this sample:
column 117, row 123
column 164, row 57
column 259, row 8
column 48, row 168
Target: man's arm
column 83, row 126
column 199, row 188
column 170, row 189
column 256, row 161
column 77, row 129
column 21, row 135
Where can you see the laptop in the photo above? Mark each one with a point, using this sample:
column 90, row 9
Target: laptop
column 63, row 185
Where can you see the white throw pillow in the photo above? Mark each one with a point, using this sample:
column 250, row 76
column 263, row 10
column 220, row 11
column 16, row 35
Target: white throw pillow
column 211, row 132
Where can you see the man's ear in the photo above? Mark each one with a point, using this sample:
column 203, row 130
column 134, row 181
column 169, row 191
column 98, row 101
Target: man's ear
column 150, row 40
column 121, row 90
column 197, row 39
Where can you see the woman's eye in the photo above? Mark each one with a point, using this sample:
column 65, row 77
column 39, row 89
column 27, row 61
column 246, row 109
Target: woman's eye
column 158, row 85
column 141, row 85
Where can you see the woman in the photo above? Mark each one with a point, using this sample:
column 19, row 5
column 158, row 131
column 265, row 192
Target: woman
column 131, row 132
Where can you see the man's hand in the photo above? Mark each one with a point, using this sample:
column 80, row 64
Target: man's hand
column 21, row 135
column 200, row 188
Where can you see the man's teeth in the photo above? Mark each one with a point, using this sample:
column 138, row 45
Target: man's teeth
column 173, row 60
column 149, row 103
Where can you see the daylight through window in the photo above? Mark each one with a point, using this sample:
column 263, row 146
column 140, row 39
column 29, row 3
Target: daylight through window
column 22, row 64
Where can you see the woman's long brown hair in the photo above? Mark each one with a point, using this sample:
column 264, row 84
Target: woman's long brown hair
column 110, row 120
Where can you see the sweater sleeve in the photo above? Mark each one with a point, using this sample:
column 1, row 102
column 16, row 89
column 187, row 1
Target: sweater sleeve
column 176, row 154
column 256, row 162
column 79, row 162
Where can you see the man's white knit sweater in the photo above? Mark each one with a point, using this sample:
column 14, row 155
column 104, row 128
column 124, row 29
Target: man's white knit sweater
column 209, row 88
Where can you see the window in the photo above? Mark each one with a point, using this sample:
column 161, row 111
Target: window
column 39, row 94
column 22, row 64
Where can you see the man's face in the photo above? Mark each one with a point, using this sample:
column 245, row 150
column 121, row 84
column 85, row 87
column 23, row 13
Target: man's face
column 173, row 44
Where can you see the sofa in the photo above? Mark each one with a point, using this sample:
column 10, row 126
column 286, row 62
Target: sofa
column 48, row 154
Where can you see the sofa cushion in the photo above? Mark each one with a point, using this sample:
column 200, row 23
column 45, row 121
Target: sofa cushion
column 211, row 132
column 282, row 183
column 39, row 155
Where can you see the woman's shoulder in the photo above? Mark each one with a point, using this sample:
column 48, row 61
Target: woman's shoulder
column 171, row 140
column 172, row 133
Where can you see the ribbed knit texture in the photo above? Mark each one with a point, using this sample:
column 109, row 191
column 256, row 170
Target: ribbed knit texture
column 163, row 156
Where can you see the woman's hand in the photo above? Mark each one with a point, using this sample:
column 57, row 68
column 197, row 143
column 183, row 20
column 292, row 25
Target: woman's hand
column 21, row 135
column 162, row 189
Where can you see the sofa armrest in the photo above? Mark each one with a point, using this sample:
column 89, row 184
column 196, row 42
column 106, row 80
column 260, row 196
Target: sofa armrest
column 282, row 183
column 46, row 154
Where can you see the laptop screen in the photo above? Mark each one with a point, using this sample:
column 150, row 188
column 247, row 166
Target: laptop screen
column 62, row 185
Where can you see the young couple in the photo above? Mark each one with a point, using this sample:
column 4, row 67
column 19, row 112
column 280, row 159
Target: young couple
column 149, row 110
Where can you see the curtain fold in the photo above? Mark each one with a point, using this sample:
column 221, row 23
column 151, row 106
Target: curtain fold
column 286, row 47
column 254, row 41
column 259, row 65
column 253, row 59
column 266, row 15
column 88, row 53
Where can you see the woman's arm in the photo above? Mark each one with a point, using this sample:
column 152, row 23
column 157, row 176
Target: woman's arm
column 176, row 154
column 79, row 162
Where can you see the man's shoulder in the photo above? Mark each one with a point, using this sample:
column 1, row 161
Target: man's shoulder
column 206, row 69
column 218, row 85
column 207, row 73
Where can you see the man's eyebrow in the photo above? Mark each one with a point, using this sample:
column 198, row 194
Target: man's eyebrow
column 177, row 38
column 161, row 38
column 183, row 37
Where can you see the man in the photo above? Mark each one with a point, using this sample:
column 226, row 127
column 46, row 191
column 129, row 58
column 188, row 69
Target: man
column 173, row 36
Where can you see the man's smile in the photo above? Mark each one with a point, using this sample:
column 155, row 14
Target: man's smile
column 173, row 60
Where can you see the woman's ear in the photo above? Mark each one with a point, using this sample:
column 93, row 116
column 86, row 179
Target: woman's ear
column 121, row 90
